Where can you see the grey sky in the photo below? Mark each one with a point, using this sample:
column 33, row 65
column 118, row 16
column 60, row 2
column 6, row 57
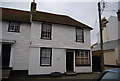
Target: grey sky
column 85, row 12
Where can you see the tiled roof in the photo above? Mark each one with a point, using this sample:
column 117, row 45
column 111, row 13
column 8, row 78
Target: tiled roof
column 15, row 15
column 24, row 16
column 111, row 45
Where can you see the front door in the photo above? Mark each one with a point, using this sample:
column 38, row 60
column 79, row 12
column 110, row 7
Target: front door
column 6, row 49
column 96, row 63
column 69, row 61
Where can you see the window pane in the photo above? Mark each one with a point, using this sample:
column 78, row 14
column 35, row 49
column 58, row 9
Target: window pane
column 14, row 27
column 46, row 52
column 82, row 61
column 79, row 35
column 77, row 61
column 79, row 31
column 77, row 54
column 82, row 57
column 86, row 54
column 46, row 31
column 86, row 61
column 45, row 56
column 45, row 61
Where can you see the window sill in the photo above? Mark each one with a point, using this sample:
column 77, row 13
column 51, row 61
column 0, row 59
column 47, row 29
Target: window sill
column 14, row 31
column 45, row 65
column 46, row 39
column 80, row 41
column 83, row 65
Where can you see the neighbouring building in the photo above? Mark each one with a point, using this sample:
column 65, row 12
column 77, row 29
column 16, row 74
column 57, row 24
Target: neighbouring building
column 119, row 31
column 111, row 43
column 43, row 43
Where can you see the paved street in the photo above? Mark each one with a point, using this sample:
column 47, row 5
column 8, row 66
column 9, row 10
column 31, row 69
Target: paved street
column 78, row 77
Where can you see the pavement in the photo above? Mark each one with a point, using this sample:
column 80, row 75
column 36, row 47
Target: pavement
column 77, row 77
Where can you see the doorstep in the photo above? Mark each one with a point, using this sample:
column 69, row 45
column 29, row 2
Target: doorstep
column 6, row 72
column 70, row 73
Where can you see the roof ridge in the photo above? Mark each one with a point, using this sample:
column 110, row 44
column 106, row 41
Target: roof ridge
column 52, row 13
column 36, row 11
column 78, row 21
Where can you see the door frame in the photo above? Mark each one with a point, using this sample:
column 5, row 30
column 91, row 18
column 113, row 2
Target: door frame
column 72, row 52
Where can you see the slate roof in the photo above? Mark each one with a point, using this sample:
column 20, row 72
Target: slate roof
column 111, row 45
column 24, row 16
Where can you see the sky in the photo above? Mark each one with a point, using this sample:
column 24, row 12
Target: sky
column 84, row 11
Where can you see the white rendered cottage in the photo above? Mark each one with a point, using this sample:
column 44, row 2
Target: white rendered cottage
column 43, row 43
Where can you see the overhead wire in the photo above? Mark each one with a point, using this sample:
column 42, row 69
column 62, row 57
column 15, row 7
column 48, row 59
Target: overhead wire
column 111, row 4
column 104, row 6
column 108, row 7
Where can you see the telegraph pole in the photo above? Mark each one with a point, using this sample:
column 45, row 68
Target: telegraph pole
column 101, row 40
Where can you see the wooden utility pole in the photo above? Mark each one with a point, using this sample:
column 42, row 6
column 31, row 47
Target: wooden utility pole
column 101, row 39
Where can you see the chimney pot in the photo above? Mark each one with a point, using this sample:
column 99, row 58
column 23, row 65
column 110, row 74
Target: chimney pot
column 33, row 7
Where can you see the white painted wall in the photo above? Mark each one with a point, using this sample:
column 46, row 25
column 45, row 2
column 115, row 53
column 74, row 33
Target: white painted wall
column 105, row 35
column 63, row 37
column 110, row 57
column 110, row 32
column 20, row 50
column 58, row 62
column 112, row 28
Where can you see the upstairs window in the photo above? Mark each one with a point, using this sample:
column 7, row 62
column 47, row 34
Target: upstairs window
column 45, row 56
column 82, row 57
column 14, row 27
column 79, row 35
column 46, row 31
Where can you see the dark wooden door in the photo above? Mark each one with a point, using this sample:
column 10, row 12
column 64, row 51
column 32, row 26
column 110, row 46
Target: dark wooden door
column 96, row 63
column 6, row 49
column 69, row 62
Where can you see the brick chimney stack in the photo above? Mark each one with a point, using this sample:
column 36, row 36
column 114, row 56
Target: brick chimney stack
column 33, row 6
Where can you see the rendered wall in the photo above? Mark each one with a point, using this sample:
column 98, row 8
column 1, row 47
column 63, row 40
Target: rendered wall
column 112, row 28
column 110, row 57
